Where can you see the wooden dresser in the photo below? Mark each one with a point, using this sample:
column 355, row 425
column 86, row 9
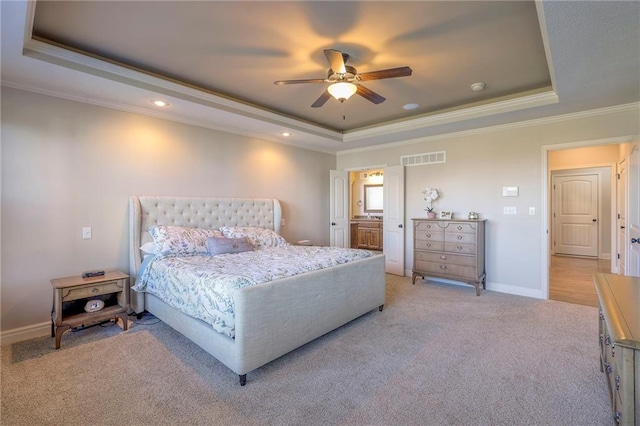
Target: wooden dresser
column 451, row 249
column 619, row 309
column 366, row 234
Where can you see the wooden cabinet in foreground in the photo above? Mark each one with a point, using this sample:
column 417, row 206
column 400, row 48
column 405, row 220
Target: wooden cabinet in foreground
column 71, row 294
column 450, row 249
column 367, row 234
column 619, row 326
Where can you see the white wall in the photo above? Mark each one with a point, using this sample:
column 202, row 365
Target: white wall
column 478, row 165
column 67, row 165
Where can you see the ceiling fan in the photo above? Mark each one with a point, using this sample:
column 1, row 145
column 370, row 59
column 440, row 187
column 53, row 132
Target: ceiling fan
column 344, row 79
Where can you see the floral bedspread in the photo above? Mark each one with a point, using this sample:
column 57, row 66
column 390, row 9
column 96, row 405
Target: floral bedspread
column 203, row 286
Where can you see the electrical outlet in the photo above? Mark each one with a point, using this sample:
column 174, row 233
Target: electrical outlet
column 86, row 233
column 532, row 211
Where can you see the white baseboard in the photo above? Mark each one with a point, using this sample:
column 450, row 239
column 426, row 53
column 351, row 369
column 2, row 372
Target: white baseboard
column 25, row 333
column 535, row 293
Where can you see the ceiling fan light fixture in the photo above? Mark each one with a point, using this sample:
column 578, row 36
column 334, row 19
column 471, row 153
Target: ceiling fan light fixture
column 342, row 90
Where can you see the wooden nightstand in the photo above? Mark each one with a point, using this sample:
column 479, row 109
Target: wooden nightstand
column 66, row 314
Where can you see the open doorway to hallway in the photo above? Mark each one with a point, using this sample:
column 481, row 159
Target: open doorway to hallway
column 581, row 221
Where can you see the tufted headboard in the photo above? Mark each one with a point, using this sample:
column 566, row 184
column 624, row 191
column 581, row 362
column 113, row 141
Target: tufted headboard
column 145, row 212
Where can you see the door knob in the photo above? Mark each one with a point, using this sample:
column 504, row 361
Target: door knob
column 622, row 227
column 635, row 241
column 400, row 226
column 593, row 220
column 333, row 224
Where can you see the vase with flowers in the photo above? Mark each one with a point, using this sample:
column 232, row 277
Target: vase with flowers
column 430, row 195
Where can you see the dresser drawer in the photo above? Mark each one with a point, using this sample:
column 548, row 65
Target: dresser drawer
column 459, row 237
column 428, row 226
column 460, row 248
column 446, row 258
column 430, row 235
column 455, row 271
column 75, row 293
column 429, row 245
column 461, row 227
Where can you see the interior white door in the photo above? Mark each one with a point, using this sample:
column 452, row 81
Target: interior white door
column 339, row 207
column 633, row 211
column 393, row 214
column 621, row 216
column 575, row 215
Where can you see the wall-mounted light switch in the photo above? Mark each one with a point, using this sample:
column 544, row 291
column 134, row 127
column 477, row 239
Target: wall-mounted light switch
column 532, row 211
column 86, row 233
column 509, row 210
column 510, row 191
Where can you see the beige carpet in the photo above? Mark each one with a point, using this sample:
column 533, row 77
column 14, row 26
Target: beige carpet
column 436, row 355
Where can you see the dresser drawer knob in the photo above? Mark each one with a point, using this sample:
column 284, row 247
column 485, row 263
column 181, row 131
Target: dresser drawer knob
column 95, row 289
column 617, row 417
column 459, row 237
column 459, row 247
column 428, row 244
column 443, row 267
column 459, row 228
column 428, row 235
column 607, row 340
column 443, row 257
column 608, row 368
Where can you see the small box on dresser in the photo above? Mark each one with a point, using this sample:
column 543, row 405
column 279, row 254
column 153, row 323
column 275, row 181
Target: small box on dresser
column 619, row 329
column 451, row 249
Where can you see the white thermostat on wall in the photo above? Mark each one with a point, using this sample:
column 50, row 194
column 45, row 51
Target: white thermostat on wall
column 509, row 191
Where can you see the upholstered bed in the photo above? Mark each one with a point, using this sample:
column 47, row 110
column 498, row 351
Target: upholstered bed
column 272, row 318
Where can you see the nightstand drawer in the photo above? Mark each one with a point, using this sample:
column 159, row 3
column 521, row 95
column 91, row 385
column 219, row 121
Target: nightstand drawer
column 107, row 287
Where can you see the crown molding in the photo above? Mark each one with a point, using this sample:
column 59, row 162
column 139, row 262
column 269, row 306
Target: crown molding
column 635, row 106
column 508, row 105
column 80, row 61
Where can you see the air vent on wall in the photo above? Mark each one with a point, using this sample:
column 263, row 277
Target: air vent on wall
column 426, row 158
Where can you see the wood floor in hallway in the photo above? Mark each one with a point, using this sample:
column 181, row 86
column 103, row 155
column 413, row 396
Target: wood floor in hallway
column 571, row 279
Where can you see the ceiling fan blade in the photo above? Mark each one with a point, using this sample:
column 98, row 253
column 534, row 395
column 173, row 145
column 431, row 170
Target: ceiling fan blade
column 308, row 80
column 321, row 100
column 390, row 73
column 336, row 60
column 370, row 95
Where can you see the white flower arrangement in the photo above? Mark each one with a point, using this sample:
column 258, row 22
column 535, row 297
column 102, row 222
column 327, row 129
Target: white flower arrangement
column 431, row 194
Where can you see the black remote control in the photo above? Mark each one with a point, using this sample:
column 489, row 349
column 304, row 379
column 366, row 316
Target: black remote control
column 91, row 274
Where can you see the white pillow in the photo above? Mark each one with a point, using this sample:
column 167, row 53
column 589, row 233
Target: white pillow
column 181, row 241
column 259, row 238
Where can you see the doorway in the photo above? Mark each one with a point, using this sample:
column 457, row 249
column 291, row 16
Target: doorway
column 568, row 273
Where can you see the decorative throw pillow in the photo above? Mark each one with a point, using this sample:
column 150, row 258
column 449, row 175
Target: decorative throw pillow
column 181, row 241
column 259, row 238
column 217, row 245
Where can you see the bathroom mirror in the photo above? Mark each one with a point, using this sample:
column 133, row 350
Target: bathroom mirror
column 373, row 198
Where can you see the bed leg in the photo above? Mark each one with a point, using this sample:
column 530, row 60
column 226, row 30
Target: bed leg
column 380, row 308
column 243, row 379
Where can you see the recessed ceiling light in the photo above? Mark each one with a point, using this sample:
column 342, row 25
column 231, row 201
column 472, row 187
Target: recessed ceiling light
column 285, row 134
column 160, row 103
column 476, row 87
column 410, row 106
